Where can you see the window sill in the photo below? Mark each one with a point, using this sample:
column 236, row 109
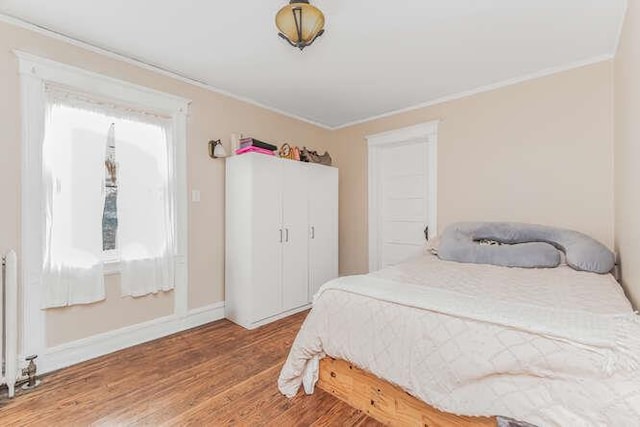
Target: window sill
column 111, row 267
column 111, row 263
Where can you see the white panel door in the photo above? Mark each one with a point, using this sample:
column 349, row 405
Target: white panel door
column 295, row 225
column 267, row 247
column 323, row 226
column 402, row 197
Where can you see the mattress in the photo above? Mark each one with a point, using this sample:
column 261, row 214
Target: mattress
column 545, row 346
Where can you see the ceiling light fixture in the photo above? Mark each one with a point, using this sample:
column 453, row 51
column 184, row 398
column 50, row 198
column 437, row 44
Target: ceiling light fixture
column 299, row 23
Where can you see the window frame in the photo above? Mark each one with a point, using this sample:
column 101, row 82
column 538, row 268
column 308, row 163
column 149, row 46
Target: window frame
column 34, row 73
column 111, row 260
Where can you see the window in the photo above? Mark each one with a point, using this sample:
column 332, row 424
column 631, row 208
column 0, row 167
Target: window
column 75, row 134
column 102, row 202
column 110, row 212
column 104, row 180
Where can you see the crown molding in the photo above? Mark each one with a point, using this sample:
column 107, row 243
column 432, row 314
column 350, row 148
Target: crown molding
column 486, row 88
column 616, row 45
column 183, row 78
column 147, row 66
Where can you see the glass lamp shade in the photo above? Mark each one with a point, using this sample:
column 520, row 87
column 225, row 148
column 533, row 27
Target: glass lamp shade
column 216, row 149
column 300, row 23
column 219, row 151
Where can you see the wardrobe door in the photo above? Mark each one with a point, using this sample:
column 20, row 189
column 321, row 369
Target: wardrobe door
column 295, row 281
column 266, row 215
column 323, row 226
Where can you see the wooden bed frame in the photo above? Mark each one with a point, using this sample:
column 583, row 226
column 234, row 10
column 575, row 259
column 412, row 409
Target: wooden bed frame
column 384, row 401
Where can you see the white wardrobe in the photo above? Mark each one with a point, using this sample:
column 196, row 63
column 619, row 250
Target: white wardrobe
column 281, row 236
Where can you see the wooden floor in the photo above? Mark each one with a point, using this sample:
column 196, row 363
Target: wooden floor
column 218, row 374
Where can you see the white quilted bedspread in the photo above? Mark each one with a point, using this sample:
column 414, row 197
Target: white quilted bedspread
column 466, row 361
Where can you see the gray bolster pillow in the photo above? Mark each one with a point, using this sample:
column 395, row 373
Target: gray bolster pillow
column 525, row 245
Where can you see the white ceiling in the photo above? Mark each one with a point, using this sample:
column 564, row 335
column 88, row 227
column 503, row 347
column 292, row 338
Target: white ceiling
column 376, row 56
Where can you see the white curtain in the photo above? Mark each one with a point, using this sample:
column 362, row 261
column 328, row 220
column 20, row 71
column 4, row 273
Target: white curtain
column 73, row 182
column 146, row 237
column 77, row 131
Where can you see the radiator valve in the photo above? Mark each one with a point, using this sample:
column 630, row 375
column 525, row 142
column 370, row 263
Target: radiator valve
column 30, row 373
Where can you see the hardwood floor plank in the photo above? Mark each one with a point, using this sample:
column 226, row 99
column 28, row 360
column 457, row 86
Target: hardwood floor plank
column 304, row 411
column 343, row 412
column 214, row 376
column 232, row 402
column 217, row 374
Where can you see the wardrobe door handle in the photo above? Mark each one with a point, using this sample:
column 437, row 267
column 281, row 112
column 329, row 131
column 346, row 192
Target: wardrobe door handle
column 313, row 232
column 281, row 235
column 286, row 231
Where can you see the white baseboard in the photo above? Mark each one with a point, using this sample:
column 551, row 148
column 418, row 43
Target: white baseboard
column 279, row 316
column 68, row 354
column 259, row 323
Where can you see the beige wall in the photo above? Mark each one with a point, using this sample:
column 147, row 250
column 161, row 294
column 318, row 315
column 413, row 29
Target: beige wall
column 627, row 152
column 539, row 151
column 211, row 116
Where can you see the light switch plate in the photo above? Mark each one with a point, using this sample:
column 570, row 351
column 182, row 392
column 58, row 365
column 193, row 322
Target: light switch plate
column 195, row 196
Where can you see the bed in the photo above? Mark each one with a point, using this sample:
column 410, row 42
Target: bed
column 544, row 346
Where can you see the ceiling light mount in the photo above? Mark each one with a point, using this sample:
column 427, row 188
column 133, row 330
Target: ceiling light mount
column 300, row 23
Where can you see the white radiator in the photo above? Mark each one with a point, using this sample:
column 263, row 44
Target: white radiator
column 9, row 321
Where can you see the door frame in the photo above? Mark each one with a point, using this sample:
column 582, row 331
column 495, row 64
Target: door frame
column 426, row 133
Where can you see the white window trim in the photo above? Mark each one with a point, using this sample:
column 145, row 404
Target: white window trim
column 34, row 72
column 426, row 133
